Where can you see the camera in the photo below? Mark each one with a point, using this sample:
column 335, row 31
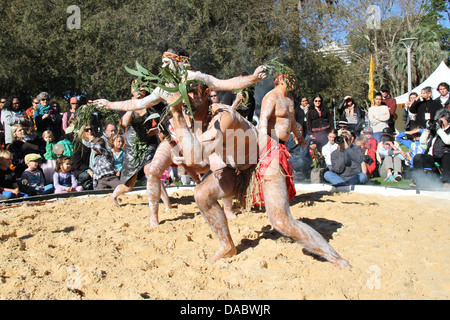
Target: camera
column 340, row 139
column 368, row 160
column 434, row 125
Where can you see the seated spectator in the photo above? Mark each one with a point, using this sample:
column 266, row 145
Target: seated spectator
column 318, row 162
column 353, row 116
column 81, row 164
column 370, row 159
column 13, row 113
column 45, row 116
column 437, row 139
column 48, row 167
column 110, row 130
column 105, row 175
column 22, row 145
column 411, row 140
column 9, row 186
column 330, row 147
column 116, row 147
column 391, row 157
column 371, row 143
column 33, row 182
column 64, row 179
column 378, row 116
column 347, row 166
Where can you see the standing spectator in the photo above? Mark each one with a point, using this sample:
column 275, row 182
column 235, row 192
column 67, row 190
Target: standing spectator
column 70, row 114
column 301, row 111
column 391, row 104
column 319, row 122
column 45, row 116
column 424, row 108
column 13, row 113
column 33, row 181
column 64, row 179
column 110, row 131
column 378, row 116
column 32, row 110
column 353, row 115
column 9, row 186
column 444, row 98
column 406, row 115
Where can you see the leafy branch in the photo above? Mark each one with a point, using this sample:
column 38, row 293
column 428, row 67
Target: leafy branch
column 274, row 67
column 171, row 78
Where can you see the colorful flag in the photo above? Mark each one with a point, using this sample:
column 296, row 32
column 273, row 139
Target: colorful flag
column 372, row 69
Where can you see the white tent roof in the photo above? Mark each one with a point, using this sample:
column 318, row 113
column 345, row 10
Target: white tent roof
column 441, row 74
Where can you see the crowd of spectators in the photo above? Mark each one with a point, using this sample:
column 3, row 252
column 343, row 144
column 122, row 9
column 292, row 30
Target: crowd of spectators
column 40, row 153
column 365, row 144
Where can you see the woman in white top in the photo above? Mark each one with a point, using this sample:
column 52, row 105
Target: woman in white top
column 378, row 116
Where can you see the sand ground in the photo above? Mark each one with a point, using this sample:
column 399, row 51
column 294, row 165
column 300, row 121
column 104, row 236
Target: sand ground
column 84, row 248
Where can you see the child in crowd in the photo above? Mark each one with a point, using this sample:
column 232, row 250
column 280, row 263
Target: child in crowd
column 48, row 167
column 411, row 140
column 33, row 181
column 116, row 145
column 318, row 162
column 64, row 179
column 9, row 186
column 372, row 143
column 105, row 175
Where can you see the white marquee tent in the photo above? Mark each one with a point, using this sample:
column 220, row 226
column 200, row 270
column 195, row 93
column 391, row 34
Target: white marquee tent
column 441, row 74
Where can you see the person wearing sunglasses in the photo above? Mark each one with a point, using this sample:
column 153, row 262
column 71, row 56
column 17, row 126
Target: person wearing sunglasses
column 319, row 122
column 81, row 159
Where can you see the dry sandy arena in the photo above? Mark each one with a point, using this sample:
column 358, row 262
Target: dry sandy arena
column 83, row 248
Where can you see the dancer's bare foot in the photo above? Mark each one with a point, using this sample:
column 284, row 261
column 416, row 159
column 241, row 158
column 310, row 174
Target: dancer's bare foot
column 154, row 220
column 113, row 201
column 223, row 252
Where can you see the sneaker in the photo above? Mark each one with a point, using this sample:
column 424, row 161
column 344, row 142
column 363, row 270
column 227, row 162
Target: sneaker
column 390, row 178
column 397, row 177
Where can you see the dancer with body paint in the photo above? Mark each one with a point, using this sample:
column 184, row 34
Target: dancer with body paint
column 137, row 160
column 220, row 125
column 163, row 157
column 277, row 122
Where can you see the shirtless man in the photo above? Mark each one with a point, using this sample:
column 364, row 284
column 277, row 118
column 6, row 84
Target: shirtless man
column 277, row 121
column 163, row 157
column 226, row 168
